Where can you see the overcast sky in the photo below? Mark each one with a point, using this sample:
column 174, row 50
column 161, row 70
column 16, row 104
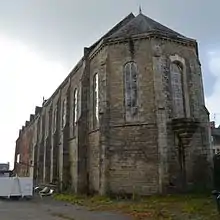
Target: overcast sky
column 42, row 40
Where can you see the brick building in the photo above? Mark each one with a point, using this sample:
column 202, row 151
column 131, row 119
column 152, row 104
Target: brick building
column 4, row 169
column 129, row 118
column 4, row 166
column 215, row 138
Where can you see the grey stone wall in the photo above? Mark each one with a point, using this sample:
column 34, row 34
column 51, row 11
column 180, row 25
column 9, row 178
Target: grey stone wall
column 94, row 162
column 133, row 160
column 133, row 153
column 118, row 154
column 197, row 154
column 73, row 152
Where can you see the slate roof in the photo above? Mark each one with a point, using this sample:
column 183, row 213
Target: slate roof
column 134, row 25
column 142, row 24
column 117, row 27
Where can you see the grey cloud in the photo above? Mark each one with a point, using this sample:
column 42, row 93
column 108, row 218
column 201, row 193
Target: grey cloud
column 61, row 28
column 58, row 30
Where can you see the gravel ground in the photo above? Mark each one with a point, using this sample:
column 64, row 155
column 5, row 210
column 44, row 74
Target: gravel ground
column 48, row 209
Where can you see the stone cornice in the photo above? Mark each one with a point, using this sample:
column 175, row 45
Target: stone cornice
column 155, row 35
column 152, row 35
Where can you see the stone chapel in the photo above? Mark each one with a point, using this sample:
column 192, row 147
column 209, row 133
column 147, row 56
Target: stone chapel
column 129, row 118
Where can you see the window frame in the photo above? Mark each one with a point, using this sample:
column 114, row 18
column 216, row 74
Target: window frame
column 177, row 113
column 95, row 99
column 55, row 118
column 75, row 106
column 64, row 112
column 131, row 86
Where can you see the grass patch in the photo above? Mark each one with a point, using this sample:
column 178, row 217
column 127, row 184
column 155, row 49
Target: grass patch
column 170, row 207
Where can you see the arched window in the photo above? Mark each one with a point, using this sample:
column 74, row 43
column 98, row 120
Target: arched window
column 75, row 107
column 96, row 99
column 64, row 107
column 130, row 78
column 177, row 90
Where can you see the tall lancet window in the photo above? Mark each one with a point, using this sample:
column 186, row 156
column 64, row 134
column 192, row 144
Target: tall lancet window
column 131, row 96
column 75, row 107
column 96, row 99
column 64, row 107
column 55, row 119
column 177, row 90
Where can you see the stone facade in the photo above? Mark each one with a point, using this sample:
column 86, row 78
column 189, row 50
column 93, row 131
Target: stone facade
column 215, row 138
column 124, row 121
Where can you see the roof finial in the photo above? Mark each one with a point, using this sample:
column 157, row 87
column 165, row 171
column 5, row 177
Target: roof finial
column 140, row 10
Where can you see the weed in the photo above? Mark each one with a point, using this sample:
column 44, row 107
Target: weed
column 170, row 207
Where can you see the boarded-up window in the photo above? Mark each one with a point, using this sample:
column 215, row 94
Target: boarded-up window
column 96, row 99
column 177, row 90
column 75, row 107
column 130, row 78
